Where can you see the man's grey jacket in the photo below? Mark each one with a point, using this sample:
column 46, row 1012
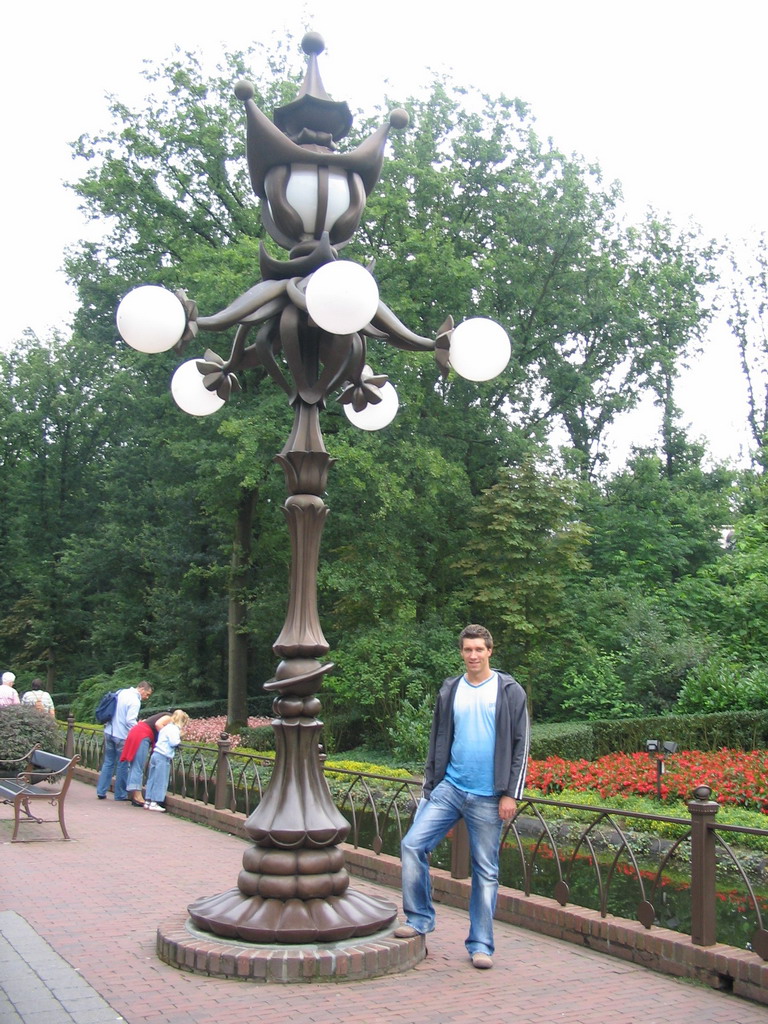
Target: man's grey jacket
column 510, row 758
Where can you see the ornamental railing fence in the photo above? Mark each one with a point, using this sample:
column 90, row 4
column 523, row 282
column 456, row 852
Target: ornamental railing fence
column 691, row 874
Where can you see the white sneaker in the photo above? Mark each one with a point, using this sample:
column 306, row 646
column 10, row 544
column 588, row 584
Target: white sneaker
column 155, row 807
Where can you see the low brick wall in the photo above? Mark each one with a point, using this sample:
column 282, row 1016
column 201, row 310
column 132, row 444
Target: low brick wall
column 722, row 967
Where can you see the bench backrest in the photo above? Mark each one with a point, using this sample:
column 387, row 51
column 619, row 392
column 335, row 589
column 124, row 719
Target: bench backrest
column 45, row 762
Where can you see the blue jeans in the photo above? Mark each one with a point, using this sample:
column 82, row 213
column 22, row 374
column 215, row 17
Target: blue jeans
column 157, row 780
column 112, row 765
column 136, row 767
column 432, row 822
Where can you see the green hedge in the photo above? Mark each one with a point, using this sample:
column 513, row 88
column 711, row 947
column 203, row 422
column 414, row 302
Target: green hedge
column 736, row 730
column 562, row 739
column 260, row 738
column 22, row 727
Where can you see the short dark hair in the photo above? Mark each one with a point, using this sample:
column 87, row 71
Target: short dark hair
column 475, row 632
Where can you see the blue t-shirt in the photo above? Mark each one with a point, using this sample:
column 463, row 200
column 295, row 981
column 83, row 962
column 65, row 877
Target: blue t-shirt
column 474, row 737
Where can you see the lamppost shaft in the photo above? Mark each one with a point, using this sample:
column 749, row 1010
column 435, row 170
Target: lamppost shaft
column 293, row 886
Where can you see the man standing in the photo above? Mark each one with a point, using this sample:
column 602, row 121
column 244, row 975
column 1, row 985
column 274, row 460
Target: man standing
column 478, row 753
column 115, row 731
column 8, row 694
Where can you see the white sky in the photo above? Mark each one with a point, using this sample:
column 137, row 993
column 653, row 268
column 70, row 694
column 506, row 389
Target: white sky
column 669, row 96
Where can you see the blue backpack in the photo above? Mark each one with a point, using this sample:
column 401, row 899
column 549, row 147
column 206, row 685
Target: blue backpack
column 105, row 709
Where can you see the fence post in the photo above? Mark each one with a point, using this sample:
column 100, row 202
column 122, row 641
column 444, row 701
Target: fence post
column 703, row 867
column 221, row 795
column 460, row 850
column 69, row 742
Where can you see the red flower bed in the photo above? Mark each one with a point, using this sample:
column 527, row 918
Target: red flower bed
column 208, row 730
column 735, row 776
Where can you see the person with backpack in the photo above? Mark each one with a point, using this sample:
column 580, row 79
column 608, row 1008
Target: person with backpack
column 39, row 698
column 116, row 730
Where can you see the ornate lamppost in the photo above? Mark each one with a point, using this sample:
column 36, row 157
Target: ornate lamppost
column 307, row 323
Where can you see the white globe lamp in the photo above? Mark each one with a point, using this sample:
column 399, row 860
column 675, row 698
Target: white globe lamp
column 342, row 297
column 480, row 349
column 151, row 319
column 378, row 416
column 189, row 392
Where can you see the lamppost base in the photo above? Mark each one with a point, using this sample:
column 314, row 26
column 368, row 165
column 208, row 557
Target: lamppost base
column 181, row 945
column 233, row 915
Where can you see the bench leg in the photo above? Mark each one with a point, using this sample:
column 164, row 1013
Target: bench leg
column 18, row 803
column 61, row 818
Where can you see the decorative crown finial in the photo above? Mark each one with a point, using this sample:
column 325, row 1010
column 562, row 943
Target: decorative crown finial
column 313, row 118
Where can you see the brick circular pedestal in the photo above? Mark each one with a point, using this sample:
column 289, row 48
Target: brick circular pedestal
column 181, row 945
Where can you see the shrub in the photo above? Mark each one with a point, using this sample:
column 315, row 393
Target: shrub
column 736, row 730
column 410, row 733
column 258, row 737
column 91, row 690
column 723, row 685
column 22, row 727
column 343, row 725
column 570, row 740
column 598, row 692
column 377, row 671
column 365, row 767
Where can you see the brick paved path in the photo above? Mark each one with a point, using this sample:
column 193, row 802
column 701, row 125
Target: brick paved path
column 95, row 904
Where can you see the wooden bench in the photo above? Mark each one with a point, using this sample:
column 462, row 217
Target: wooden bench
column 45, row 777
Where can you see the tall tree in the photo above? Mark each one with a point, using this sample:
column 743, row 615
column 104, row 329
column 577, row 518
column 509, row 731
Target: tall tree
column 748, row 320
column 671, row 279
column 526, row 547
column 64, row 417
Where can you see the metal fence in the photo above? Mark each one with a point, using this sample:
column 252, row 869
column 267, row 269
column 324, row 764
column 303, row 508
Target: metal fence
column 687, row 873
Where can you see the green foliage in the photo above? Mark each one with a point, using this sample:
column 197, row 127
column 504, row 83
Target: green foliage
column 720, row 684
column 22, row 727
column 599, row 692
column 525, row 548
column 383, row 667
column 748, row 320
column 737, row 730
column 569, row 740
column 730, row 596
column 410, row 732
column 727, row 815
column 167, row 692
column 362, row 766
column 371, row 755
column 262, row 737
column 654, row 527
column 631, row 643
column 637, row 804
